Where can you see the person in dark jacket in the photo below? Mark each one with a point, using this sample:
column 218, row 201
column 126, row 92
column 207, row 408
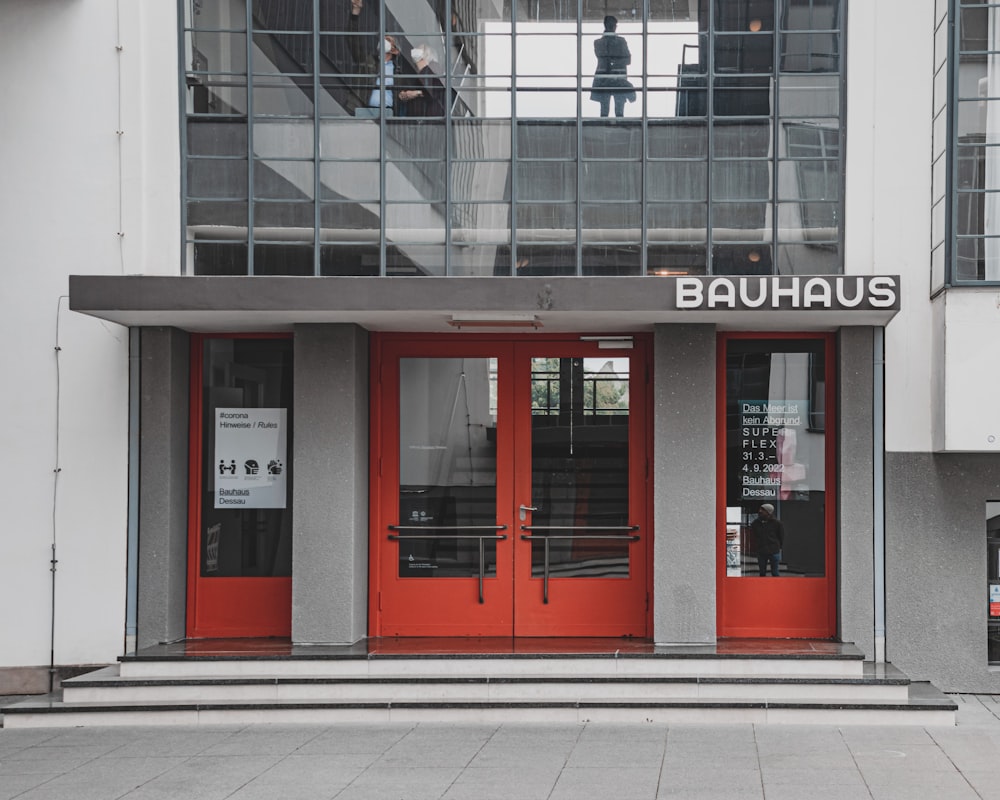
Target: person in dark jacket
column 379, row 62
column 613, row 58
column 769, row 537
column 424, row 92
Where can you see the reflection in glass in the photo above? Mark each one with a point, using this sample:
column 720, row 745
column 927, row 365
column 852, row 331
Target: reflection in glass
column 281, row 258
column 993, row 582
column 580, row 466
column 617, row 259
column 215, row 15
column 252, row 542
column 516, row 79
column 775, row 451
column 546, row 259
column 217, row 178
column 279, row 180
column 447, row 466
column 349, row 259
column 676, row 259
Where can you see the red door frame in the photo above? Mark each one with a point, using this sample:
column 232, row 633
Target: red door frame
column 225, row 607
column 804, row 608
column 423, row 619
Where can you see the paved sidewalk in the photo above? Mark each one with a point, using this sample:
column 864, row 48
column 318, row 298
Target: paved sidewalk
column 509, row 762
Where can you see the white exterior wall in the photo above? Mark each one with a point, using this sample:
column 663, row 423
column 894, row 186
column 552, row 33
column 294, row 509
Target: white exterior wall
column 888, row 198
column 941, row 380
column 65, row 197
column 971, row 348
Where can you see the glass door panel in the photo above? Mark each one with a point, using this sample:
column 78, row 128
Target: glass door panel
column 240, row 514
column 777, row 473
column 580, row 467
column 447, row 468
column 442, row 561
column 582, row 534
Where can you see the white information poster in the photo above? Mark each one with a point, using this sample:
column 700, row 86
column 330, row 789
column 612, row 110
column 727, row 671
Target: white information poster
column 250, row 457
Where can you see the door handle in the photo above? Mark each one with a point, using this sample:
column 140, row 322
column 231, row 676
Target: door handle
column 524, row 511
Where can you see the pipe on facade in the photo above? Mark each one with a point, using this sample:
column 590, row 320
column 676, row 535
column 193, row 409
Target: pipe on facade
column 132, row 561
column 56, row 469
column 878, row 460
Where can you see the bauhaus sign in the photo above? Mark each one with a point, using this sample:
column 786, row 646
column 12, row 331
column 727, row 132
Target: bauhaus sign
column 788, row 292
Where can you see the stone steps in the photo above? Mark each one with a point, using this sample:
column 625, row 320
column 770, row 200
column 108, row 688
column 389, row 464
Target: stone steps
column 329, row 687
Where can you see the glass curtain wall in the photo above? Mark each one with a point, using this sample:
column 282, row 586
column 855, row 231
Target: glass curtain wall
column 975, row 173
column 513, row 137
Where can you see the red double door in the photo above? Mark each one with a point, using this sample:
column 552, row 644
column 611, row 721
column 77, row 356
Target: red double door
column 509, row 480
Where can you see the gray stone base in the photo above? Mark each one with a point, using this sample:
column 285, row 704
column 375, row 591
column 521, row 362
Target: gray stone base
column 936, row 593
column 35, row 680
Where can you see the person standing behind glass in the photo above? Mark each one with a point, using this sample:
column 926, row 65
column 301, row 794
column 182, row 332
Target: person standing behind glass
column 769, row 538
column 425, row 97
column 368, row 61
column 613, row 58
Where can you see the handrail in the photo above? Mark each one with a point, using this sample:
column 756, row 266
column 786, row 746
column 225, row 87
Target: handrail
column 448, row 528
column 481, row 537
column 617, row 537
column 579, row 527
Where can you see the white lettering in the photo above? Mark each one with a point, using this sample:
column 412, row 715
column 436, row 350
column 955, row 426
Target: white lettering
column 813, row 297
column 689, row 293
column 859, row 292
column 727, row 297
column 883, row 292
column 761, row 297
column 791, row 292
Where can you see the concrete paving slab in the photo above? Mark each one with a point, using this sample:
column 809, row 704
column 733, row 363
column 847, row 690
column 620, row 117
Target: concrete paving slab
column 503, row 783
column 508, row 762
column 622, row 783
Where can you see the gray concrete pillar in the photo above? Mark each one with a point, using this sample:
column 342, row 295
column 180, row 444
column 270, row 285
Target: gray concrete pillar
column 855, row 495
column 684, row 508
column 164, row 364
column 330, row 495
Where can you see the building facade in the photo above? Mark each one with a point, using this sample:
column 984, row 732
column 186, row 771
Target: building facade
column 463, row 318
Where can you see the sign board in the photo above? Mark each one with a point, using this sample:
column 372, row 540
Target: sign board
column 770, row 431
column 734, row 545
column 788, row 292
column 251, row 451
column 995, row 599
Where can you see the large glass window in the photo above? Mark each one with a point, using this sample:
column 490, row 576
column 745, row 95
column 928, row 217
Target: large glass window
column 246, row 510
column 776, row 458
column 480, row 138
column 974, row 208
column 993, row 582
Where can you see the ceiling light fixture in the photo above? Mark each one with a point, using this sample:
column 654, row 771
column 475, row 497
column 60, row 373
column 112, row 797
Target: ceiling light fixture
column 493, row 320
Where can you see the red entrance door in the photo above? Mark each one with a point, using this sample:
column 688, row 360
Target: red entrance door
column 510, row 488
column 777, row 458
column 240, row 514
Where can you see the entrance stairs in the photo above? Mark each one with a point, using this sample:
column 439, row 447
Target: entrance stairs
column 491, row 681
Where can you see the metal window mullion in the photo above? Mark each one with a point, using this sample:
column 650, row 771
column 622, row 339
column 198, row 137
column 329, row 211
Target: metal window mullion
column 448, row 154
column 382, row 89
column 182, row 103
column 644, row 153
column 776, row 134
column 513, row 141
column 709, row 131
column 579, row 139
column 250, row 128
column 317, row 217
column 951, row 148
column 841, row 45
